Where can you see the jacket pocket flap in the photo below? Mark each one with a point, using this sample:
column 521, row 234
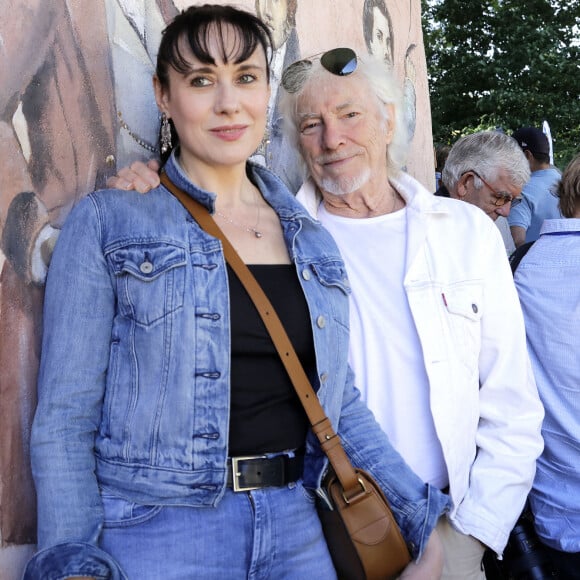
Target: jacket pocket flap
column 464, row 301
column 147, row 261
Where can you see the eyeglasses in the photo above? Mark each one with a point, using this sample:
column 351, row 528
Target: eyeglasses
column 338, row 61
column 500, row 197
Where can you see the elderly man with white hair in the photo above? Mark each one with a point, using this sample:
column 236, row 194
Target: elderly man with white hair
column 437, row 334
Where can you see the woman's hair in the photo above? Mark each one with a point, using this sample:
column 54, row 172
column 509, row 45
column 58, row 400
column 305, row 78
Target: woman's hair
column 486, row 152
column 569, row 188
column 382, row 87
column 192, row 32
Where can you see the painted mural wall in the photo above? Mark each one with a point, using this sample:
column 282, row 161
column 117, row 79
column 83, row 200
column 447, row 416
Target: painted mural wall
column 76, row 103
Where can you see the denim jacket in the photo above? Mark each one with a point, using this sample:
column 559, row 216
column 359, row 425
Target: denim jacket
column 134, row 379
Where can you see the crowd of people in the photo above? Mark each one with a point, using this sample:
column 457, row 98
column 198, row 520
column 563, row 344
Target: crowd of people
column 168, row 441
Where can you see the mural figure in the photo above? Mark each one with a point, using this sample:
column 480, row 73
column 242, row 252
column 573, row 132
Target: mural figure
column 76, row 103
column 378, row 30
column 379, row 39
column 275, row 151
column 61, row 135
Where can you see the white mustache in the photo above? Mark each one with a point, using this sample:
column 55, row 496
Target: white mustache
column 334, row 157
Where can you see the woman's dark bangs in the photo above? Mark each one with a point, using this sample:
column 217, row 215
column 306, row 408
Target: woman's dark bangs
column 199, row 40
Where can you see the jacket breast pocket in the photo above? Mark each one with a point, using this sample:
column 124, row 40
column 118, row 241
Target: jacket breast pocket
column 150, row 280
column 464, row 305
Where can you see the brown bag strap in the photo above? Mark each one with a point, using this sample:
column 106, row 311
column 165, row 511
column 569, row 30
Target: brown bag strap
column 329, row 440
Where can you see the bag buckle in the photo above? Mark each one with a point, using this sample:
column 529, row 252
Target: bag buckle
column 356, row 496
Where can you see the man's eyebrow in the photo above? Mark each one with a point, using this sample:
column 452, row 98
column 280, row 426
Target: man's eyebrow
column 304, row 116
column 337, row 109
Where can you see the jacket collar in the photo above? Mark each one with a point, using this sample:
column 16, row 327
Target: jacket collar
column 417, row 198
column 421, row 205
column 272, row 188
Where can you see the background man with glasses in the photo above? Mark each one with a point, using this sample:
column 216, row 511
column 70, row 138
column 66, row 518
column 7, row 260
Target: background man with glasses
column 488, row 170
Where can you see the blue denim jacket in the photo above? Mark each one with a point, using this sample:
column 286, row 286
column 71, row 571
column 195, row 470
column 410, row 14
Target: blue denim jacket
column 134, row 378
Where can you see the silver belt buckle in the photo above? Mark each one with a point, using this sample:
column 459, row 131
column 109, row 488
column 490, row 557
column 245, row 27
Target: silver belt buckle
column 236, row 474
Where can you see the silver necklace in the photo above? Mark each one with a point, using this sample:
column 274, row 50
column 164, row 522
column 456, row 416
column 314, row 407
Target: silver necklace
column 254, row 230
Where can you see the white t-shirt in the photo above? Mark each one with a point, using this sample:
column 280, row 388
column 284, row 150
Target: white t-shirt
column 385, row 352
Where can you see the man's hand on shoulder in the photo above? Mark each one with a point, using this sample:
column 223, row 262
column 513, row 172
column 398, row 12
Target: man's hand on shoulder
column 138, row 176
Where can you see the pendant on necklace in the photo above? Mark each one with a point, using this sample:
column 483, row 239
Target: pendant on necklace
column 257, row 233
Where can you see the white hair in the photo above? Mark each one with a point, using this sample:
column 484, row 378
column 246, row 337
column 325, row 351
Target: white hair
column 486, row 153
column 383, row 87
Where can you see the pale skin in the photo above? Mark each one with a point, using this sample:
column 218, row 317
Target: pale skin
column 344, row 137
column 219, row 112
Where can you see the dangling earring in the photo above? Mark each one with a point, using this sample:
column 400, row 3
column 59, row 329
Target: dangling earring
column 165, row 134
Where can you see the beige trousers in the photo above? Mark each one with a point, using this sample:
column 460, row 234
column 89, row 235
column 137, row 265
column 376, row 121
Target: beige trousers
column 463, row 554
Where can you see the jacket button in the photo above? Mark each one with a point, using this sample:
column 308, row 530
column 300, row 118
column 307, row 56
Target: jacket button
column 323, row 377
column 146, row 267
column 306, row 274
column 321, row 322
column 474, row 308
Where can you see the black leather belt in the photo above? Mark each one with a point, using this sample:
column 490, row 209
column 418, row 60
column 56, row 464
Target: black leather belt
column 255, row 472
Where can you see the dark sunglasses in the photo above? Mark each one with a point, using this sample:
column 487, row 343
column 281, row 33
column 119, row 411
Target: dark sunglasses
column 338, row 61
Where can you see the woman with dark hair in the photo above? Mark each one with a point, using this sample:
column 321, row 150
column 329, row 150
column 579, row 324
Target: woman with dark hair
column 169, row 441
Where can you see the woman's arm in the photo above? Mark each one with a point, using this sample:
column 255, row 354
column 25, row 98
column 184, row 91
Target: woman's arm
column 416, row 506
column 78, row 315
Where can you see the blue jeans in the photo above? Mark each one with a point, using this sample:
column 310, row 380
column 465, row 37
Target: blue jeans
column 262, row 534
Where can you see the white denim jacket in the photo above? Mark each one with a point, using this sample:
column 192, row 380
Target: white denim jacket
column 484, row 400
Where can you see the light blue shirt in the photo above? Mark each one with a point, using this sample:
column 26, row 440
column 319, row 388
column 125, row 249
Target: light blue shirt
column 538, row 203
column 548, row 282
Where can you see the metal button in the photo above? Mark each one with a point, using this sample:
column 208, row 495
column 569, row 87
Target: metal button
column 110, row 160
column 321, row 322
column 306, row 274
column 146, row 267
column 474, row 308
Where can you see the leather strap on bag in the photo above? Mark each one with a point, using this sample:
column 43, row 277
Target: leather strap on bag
column 321, row 426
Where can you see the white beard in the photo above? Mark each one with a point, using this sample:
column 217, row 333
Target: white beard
column 345, row 185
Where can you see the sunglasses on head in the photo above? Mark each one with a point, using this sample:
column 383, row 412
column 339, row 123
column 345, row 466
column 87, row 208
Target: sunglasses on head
column 338, row 61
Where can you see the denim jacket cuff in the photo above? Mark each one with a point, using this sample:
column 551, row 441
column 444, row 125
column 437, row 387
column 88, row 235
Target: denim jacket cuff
column 436, row 504
column 73, row 559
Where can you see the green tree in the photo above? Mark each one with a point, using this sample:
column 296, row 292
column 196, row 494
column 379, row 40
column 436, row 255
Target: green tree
column 504, row 63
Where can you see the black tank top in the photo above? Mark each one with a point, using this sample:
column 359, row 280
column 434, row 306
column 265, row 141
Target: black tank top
column 266, row 414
